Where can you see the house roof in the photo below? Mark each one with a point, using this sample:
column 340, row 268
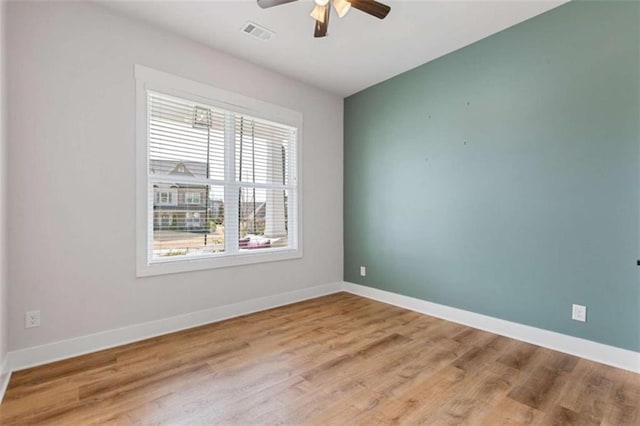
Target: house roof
column 178, row 168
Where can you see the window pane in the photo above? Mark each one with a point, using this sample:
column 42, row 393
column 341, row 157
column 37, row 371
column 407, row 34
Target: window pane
column 263, row 217
column 184, row 228
column 185, row 139
column 261, row 151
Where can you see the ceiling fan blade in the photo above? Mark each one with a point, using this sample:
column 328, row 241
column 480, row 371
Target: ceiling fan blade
column 265, row 4
column 371, row 7
column 322, row 27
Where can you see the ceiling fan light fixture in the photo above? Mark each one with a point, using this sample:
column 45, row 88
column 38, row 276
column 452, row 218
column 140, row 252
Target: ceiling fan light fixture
column 342, row 7
column 318, row 13
column 322, row 10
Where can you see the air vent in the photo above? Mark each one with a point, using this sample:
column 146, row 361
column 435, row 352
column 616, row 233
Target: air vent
column 257, row 31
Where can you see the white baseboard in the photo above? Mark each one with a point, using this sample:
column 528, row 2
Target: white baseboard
column 605, row 354
column 50, row 352
column 5, row 375
column 38, row 355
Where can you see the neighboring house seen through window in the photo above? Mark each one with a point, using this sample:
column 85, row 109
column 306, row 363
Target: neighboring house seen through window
column 222, row 180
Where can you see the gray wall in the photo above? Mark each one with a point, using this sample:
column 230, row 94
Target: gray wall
column 72, row 174
column 4, row 304
column 503, row 178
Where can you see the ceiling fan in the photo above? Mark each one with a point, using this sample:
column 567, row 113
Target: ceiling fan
column 322, row 10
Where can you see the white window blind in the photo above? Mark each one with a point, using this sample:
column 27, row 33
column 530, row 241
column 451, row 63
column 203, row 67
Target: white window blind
column 220, row 183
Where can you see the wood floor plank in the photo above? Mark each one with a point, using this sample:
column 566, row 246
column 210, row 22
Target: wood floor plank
column 337, row 359
column 414, row 370
column 510, row 412
column 539, row 390
column 623, row 407
column 473, row 403
column 518, row 355
column 560, row 416
column 594, row 395
column 64, row 368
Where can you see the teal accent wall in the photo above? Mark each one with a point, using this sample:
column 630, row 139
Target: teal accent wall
column 503, row 178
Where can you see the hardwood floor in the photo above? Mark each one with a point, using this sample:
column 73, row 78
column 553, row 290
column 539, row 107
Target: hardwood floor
column 339, row 359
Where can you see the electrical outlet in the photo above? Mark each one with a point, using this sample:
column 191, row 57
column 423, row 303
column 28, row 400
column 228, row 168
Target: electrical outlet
column 32, row 319
column 579, row 313
column 363, row 271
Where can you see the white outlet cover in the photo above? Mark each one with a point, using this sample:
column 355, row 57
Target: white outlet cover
column 32, row 319
column 363, row 271
column 579, row 313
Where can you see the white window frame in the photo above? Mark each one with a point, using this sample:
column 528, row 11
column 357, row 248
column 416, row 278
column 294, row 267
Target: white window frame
column 148, row 79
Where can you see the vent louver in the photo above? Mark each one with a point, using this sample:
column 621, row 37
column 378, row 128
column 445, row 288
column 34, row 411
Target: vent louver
column 257, row 31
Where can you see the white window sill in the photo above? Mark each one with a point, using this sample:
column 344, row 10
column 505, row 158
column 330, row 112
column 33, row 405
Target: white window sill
column 174, row 266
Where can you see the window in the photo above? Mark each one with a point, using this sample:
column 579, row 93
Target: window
column 164, row 198
column 192, row 198
column 217, row 177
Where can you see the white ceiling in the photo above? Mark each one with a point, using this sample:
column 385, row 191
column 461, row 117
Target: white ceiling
column 359, row 51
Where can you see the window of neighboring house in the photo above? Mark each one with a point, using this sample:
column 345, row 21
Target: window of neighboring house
column 164, row 198
column 192, row 198
column 165, row 220
column 242, row 155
